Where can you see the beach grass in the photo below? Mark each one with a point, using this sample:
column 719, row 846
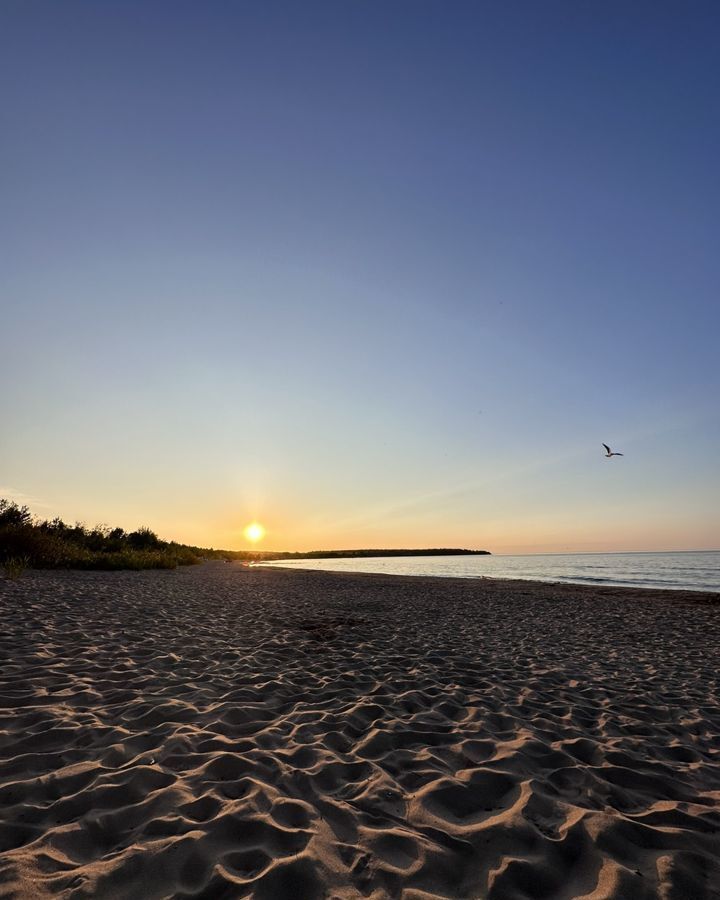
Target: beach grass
column 14, row 566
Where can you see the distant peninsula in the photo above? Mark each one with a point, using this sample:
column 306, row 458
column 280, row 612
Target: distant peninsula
column 358, row 554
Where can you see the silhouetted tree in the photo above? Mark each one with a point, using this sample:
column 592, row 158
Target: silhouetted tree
column 143, row 539
column 13, row 515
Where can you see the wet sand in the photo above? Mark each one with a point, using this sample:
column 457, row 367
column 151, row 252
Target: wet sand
column 220, row 731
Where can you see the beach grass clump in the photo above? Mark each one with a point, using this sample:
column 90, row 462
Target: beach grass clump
column 14, row 566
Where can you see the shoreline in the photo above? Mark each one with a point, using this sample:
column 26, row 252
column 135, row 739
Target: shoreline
column 274, row 733
column 506, row 582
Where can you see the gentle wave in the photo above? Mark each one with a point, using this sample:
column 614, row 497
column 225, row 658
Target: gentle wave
column 688, row 570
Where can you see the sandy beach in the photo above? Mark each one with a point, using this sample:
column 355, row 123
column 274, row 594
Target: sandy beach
column 224, row 731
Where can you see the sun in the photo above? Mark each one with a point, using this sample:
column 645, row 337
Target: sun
column 254, row 532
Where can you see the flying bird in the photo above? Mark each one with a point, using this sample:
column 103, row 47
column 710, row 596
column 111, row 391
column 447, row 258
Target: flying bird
column 611, row 452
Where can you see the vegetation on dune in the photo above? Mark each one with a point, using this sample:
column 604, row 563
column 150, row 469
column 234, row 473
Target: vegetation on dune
column 28, row 542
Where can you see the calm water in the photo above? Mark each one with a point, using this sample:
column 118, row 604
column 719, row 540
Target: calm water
column 695, row 571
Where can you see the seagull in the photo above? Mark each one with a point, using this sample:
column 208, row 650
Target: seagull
column 611, row 452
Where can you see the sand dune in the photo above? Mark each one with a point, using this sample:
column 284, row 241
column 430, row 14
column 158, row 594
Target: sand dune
column 222, row 731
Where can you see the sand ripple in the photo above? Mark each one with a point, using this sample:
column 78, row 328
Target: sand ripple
column 229, row 732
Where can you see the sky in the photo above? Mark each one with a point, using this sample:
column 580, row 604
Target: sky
column 374, row 274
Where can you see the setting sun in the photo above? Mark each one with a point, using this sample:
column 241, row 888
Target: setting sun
column 254, row 532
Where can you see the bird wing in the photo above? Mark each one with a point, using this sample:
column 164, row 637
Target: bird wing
column 607, row 448
column 618, row 454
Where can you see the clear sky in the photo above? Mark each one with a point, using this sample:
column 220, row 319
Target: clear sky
column 372, row 273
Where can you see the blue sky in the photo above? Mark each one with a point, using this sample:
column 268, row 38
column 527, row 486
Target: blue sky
column 375, row 274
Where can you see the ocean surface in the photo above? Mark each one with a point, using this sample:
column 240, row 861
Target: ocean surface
column 690, row 571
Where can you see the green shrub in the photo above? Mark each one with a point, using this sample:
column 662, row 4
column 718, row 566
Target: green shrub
column 143, row 539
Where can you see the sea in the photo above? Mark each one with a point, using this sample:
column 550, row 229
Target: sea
column 681, row 570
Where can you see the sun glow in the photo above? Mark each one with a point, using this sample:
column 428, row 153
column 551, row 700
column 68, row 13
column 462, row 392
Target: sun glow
column 254, row 532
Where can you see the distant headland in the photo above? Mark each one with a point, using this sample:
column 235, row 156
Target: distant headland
column 358, row 554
